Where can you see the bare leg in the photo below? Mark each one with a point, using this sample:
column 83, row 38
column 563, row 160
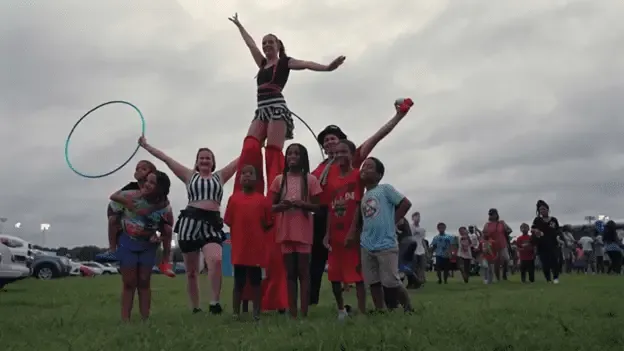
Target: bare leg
column 191, row 264
column 145, row 291
column 129, row 277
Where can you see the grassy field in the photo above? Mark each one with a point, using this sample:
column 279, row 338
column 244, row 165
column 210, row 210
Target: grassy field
column 582, row 313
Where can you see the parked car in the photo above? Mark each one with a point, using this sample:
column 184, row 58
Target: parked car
column 21, row 249
column 79, row 269
column 10, row 269
column 46, row 267
column 100, row 268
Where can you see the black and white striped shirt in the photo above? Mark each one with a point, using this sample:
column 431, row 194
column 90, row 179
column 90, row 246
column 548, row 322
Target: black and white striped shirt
column 205, row 189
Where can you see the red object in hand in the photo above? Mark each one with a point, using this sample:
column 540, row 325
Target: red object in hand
column 167, row 269
column 404, row 104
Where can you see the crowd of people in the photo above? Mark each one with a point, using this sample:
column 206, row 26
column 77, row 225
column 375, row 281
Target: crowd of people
column 338, row 214
column 492, row 253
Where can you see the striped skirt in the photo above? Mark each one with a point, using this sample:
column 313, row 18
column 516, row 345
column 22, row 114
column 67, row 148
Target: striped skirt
column 276, row 109
column 199, row 226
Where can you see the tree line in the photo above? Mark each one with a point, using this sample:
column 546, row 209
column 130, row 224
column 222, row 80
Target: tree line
column 88, row 253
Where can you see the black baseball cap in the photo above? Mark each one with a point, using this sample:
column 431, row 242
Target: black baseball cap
column 331, row 129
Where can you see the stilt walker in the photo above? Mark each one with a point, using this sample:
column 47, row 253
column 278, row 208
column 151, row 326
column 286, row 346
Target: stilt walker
column 272, row 122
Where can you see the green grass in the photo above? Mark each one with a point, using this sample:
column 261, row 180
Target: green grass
column 582, row 313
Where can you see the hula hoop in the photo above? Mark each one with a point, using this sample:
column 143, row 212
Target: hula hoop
column 311, row 131
column 69, row 164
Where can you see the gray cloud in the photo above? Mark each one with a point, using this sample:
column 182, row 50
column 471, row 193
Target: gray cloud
column 515, row 101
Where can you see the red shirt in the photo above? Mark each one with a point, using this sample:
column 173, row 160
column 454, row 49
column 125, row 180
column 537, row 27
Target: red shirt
column 245, row 215
column 525, row 248
column 344, row 194
column 356, row 162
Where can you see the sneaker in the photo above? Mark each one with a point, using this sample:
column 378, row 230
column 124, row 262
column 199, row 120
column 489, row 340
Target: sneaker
column 215, row 308
column 106, row 257
column 348, row 309
column 197, row 310
column 556, row 281
column 166, row 269
column 342, row 315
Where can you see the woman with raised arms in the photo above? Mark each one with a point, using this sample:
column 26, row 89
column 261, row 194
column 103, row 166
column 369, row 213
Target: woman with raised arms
column 200, row 226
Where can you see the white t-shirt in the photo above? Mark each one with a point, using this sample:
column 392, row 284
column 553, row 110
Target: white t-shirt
column 586, row 243
column 419, row 234
column 475, row 240
column 465, row 245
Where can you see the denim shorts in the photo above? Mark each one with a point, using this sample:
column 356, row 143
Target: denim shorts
column 131, row 255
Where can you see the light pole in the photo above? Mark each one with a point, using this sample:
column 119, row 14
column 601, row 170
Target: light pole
column 44, row 228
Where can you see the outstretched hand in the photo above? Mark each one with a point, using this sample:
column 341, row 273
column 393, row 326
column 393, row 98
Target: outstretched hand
column 142, row 141
column 336, row 63
column 234, row 19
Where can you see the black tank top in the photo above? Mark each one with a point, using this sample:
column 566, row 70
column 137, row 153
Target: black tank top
column 272, row 80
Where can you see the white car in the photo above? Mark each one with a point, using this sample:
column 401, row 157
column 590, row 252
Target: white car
column 10, row 270
column 102, row 268
column 21, row 249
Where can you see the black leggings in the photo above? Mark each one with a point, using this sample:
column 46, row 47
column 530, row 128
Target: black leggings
column 616, row 262
column 550, row 264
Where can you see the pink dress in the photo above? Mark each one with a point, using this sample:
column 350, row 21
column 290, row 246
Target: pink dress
column 294, row 226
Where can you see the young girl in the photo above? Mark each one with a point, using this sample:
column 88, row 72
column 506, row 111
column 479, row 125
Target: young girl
column 138, row 241
column 464, row 253
column 143, row 168
column 248, row 214
column 345, row 192
column 489, row 255
column 295, row 195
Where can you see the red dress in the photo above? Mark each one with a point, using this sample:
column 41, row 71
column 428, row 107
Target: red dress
column 344, row 194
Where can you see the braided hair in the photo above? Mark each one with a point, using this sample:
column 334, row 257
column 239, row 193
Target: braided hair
column 302, row 167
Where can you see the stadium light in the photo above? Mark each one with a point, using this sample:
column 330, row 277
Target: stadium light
column 18, row 225
column 44, row 228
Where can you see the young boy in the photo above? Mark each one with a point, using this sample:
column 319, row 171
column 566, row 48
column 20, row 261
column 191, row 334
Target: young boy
column 441, row 247
column 248, row 214
column 381, row 208
column 526, row 252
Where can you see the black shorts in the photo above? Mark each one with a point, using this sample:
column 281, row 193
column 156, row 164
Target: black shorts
column 188, row 246
column 442, row 264
column 243, row 274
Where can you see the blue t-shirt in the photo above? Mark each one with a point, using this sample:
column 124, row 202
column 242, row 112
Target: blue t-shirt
column 442, row 243
column 378, row 208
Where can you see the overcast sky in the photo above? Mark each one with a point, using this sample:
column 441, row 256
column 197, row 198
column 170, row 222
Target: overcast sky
column 514, row 100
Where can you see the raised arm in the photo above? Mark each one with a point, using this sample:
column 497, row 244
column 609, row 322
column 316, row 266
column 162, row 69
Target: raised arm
column 367, row 147
column 227, row 172
column 251, row 44
column 298, row 65
column 183, row 173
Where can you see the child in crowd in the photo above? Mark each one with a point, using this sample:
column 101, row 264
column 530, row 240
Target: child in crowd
column 248, row 214
column 381, row 208
column 526, row 253
column 345, row 191
column 464, row 253
column 295, row 194
column 488, row 257
column 441, row 247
